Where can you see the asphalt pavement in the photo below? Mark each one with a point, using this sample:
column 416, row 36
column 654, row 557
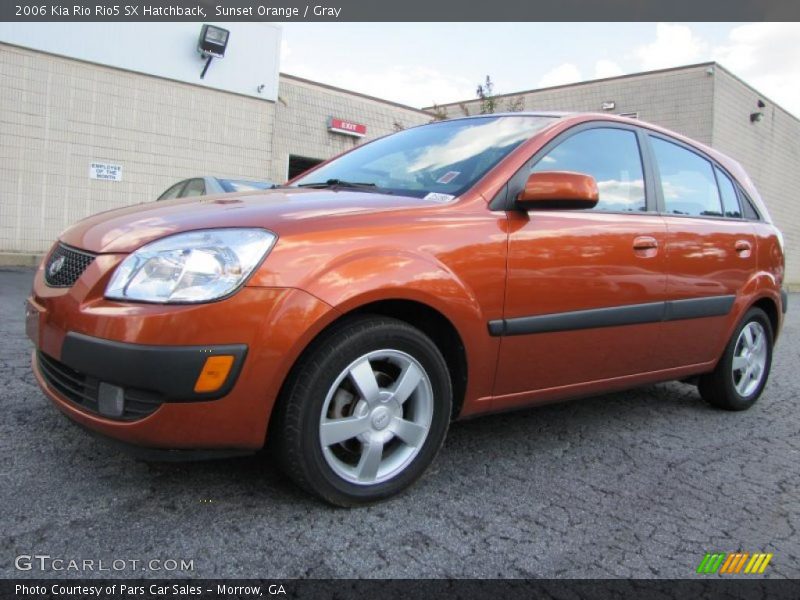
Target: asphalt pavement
column 635, row 484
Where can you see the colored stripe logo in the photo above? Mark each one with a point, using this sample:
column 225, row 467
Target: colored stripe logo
column 734, row 563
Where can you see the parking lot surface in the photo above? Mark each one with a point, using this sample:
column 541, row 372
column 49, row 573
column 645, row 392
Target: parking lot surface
column 635, row 484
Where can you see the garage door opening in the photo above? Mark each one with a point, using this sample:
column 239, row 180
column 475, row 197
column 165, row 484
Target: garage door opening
column 301, row 164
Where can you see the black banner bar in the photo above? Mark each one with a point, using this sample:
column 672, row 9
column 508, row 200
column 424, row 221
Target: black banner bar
column 405, row 11
column 709, row 587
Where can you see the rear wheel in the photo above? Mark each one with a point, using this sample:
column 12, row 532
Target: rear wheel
column 365, row 412
column 742, row 372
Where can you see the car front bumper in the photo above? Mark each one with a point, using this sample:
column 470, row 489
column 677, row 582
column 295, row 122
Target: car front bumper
column 152, row 354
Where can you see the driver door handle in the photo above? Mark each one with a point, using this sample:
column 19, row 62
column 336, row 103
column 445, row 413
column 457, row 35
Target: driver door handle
column 645, row 246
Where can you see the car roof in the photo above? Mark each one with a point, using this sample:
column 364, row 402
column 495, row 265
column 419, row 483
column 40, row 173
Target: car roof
column 524, row 113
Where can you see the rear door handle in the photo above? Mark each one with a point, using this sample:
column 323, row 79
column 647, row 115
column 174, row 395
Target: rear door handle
column 743, row 247
column 645, row 242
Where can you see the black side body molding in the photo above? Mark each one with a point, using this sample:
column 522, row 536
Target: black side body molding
column 615, row 316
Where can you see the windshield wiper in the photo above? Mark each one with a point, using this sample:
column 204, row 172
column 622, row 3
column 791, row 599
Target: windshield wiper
column 339, row 183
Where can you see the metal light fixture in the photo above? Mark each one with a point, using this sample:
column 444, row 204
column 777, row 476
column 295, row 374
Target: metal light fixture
column 758, row 116
column 212, row 44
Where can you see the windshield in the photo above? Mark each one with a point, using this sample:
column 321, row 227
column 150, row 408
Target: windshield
column 442, row 158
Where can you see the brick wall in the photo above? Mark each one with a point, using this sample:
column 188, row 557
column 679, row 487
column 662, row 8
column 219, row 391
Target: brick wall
column 710, row 108
column 302, row 111
column 57, row 115
column 769, row 151
column 677, row 99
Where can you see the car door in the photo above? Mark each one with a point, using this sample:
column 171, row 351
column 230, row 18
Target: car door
column 710, row 250
column 585, row 288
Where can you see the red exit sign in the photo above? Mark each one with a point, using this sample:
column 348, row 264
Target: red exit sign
column 346, row 127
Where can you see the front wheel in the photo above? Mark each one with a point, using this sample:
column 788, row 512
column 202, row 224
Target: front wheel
column 742, row 372
column 365, row 411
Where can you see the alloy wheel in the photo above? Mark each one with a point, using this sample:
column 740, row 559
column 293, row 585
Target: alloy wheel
column 376, row 417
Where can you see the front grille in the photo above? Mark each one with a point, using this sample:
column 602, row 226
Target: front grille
column 81, row 389
column 65, row 265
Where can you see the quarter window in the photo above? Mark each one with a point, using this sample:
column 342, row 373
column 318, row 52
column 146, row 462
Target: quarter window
column 687, row 181
column 612, row 157
column 747, row 204
column 730, row 203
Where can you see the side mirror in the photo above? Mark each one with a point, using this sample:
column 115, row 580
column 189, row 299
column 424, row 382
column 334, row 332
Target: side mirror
column 558, row 190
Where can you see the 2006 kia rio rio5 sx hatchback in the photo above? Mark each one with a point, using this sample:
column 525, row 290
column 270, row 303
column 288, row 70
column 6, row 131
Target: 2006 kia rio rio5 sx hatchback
column 456, row 268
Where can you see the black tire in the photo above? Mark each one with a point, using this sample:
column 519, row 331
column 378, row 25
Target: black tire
column 296, row 425
column 719, row 388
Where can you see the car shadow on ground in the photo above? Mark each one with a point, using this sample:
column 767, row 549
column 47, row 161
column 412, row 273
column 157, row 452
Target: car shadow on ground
column 539, row 428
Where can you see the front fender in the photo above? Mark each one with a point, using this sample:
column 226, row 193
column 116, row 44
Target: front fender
column 363, row 278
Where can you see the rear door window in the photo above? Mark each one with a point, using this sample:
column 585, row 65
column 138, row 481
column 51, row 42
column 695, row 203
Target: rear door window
column 688, row 184
column 730, row 202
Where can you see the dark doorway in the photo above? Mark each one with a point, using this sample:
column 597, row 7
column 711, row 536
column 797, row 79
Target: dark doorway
column 301, row 164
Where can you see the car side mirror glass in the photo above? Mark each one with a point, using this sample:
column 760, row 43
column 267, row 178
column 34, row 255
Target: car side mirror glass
column 558, row 190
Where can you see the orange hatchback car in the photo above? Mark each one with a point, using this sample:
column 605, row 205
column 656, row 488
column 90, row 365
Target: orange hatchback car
column 457, row 268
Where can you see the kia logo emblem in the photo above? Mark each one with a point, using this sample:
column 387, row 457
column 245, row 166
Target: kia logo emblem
column 55, row 266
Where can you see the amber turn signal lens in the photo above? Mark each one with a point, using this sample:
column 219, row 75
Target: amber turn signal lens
column 215, row 372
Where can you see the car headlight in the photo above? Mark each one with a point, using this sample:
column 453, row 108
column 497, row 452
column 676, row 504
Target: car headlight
column 196, row 266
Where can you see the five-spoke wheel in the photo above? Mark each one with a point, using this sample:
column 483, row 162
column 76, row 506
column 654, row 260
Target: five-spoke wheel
column 741, row 373
column 749, row 358
column 376, row 416
column 365, row 411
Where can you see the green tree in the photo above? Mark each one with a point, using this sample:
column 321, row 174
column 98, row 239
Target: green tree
column 489, row 103
column 485, row 92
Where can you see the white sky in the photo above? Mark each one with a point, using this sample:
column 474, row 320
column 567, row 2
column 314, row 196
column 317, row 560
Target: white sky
column 424, row 63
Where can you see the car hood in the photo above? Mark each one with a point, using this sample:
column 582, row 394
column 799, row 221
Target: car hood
column 126, row 229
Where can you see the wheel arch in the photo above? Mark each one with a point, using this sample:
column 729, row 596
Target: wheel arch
column 770, row 307
column 432, row 322
column 438, row 328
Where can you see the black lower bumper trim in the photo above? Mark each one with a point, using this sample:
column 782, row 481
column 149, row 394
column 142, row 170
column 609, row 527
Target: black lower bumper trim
column 784, row 300
column 83, row 390
column 170, row 372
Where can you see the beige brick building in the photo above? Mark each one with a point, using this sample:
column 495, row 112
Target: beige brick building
column 59, row 114
column 300, row 115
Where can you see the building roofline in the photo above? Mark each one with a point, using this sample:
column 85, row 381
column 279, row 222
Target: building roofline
column 711, row 63
column 580, row 83
column 352, row 93
column 758, row 92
